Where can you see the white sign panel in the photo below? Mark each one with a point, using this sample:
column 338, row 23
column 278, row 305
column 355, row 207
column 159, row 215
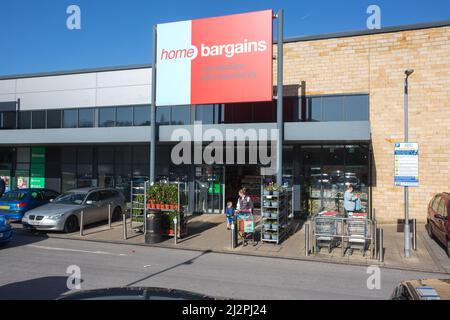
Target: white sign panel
column 406, row 158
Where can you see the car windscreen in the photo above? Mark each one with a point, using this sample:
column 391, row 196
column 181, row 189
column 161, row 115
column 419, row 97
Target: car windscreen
column 71, row 198
column 13, row 196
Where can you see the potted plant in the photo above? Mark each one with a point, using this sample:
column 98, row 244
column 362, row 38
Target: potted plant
column 267, row 225
column 267, row 235
column 275, row 225
column 276, row 189
column 266, row 214
column 274, row 215
column 268, row 190
column 274, row 235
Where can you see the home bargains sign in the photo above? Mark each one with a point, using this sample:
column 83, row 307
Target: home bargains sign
column 215, row 60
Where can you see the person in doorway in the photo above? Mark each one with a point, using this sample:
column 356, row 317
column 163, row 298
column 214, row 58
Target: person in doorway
column 230, row 214
column 2, row 187
column 350, row 201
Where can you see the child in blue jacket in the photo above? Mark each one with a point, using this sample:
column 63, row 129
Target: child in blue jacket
column 230, row 214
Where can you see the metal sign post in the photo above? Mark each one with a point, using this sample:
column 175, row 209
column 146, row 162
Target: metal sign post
column 280, row 92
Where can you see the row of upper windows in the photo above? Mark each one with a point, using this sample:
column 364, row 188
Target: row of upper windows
column 308, row 109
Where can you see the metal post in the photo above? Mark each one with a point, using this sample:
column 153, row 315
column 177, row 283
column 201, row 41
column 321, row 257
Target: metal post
column 342, row 237
column 175, row 230
column 153, row 111
column 233, row 235
column 414, row 240
column 124, row 220
column 307, row 238
column 280, row 120
column 145, row 207
column 406, row 230
column 381, row 247
column 109, row 216
column 82, row 223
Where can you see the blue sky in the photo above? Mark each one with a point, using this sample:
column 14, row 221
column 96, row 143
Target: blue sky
column 34, row 37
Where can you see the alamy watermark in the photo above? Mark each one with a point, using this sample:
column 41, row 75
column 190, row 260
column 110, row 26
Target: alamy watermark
column 374, row 279
column 374, row 20
column 222, row 148
column 74, row 19
column 74, row 279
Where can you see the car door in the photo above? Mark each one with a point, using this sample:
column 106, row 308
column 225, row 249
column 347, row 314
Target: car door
column 433, row 214
column 441, row 221
column 93, row 208
column 36, row 200
column 106, row 200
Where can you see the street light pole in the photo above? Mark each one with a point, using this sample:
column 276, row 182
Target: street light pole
column 406, row 229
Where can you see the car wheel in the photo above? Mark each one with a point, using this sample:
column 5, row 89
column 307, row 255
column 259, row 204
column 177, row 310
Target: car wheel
column 71, row 225
column 429, row 230
column 116, row 214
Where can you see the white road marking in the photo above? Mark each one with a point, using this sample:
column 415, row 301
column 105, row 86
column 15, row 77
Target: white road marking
column 76, row 250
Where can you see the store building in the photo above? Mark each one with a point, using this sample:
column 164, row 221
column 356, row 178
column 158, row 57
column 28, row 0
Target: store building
column 343, row 112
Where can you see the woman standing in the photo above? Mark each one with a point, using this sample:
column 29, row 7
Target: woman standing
column 350, row 201
column 244, row 202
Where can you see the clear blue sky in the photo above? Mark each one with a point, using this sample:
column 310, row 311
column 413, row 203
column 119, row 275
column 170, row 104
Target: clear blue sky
column 34, row 37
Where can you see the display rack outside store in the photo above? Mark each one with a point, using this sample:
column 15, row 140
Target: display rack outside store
column 274, row 215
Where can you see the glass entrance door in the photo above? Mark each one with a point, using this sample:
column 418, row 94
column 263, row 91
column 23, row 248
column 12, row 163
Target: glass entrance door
column 209, row 189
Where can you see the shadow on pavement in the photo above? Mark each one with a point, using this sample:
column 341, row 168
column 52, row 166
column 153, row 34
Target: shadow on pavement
column 47, row 288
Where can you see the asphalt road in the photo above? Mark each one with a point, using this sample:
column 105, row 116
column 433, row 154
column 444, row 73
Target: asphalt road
column 35, row 268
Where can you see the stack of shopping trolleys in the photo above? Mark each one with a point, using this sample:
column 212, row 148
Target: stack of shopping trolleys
column 326, row 230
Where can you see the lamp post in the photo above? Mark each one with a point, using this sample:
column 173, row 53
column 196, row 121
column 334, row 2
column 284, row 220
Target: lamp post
column 406, row 191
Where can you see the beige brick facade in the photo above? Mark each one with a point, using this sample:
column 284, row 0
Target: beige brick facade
column 375, row 64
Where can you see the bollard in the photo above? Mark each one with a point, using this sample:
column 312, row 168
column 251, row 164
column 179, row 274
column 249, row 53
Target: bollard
column 175, row 230
column 124, row 219
column 233, row 232
column 109, row 216
column 307, row 238
column 342, row 235
column 414, row 239
column 381, row 247
column 81, row 223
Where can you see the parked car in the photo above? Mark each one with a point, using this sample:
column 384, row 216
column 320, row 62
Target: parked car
column 137, row 293
column 5, row 231
column 429, row 289
column 14, row 204
column 438, row 225
column 63, row 214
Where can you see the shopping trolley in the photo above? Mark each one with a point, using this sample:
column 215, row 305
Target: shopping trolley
column 357, row 228
column 246, row 226
column 326, row 230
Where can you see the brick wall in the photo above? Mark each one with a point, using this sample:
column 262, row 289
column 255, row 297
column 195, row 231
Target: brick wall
column 375, row 64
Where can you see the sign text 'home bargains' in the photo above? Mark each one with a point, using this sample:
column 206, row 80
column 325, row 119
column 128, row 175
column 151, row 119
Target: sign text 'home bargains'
column 215, row 60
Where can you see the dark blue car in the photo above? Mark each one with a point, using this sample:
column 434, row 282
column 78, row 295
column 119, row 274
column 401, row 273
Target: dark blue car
column 5, row 231
column 14, row 204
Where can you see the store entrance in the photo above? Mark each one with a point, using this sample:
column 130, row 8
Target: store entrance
column 209, row 189
column 243, row 176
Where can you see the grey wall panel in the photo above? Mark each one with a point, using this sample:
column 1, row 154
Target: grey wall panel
column 75, row 136
column 7, row 87
column 328, row 131
column 57, row 83
column 298, row 131
column 7, row 97
column 124, row 95
column 57, row 99
column 124, row 78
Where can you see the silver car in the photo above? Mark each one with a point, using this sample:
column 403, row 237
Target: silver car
column 63, row 213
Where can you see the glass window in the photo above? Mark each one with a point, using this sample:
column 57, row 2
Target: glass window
column 38, row 120
column 8, row 119
column 124, row 117
column 105, row 154
column 68, row 176
column 25, row 120
column 356, row 108
column 356, row 155
column 68, row 154
column 333, row 155
column 107, row 117
column 141, row 155
column 85, row 154
column 332, row 108
column 23, row 154
column 142, row 116
column 205, row 114
column 123, row 155
column 53, row 119
column 181, row 115
column 314, row 109
column 163, row 115
column 70, row 118
column 86, row 118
